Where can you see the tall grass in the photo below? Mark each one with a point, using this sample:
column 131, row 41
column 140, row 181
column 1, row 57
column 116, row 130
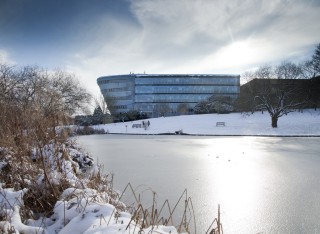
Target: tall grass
column 167, row 214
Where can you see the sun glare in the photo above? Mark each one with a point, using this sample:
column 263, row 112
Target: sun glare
column 236, row 54
column 235, row 181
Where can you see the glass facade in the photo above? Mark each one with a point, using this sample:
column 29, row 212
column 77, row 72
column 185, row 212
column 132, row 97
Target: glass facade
column 153, row 94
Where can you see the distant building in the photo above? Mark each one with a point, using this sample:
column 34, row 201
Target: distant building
column 169, row 93
column 306, row 91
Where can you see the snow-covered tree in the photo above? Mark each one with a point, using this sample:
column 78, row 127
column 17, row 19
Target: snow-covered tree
column 221, row 104
column 276, row 96
column 203, row 107
column 215, row 104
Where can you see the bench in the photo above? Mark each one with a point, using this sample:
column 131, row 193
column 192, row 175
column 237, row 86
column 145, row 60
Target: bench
column 136, row 126
column 220, row 124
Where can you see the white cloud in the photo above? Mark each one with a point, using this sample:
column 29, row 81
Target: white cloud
column 198, row 36
column 175, row 23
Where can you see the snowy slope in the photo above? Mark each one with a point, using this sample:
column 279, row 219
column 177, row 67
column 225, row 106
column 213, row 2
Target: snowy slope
column 293, row 124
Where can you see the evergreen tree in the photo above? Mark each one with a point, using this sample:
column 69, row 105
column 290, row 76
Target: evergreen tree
column 98, row 116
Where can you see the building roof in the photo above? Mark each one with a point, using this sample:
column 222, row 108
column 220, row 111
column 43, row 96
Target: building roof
column 169, row 75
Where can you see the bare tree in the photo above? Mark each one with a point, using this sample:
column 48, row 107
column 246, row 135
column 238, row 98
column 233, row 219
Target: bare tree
column 278, row 99
column 288, row 70
column 276, row 96
column 72, row 94
column 308, row 70
column 35, row 100
column 316, row 61
column 311, row 68
column 247, row 76
column 264, row 72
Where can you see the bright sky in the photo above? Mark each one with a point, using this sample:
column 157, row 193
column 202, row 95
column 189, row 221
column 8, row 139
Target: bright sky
column 106, row 37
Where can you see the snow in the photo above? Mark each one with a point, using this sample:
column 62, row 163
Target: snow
column 20, row 227
column 84, row 210
column 10, row 198
column 258, row 124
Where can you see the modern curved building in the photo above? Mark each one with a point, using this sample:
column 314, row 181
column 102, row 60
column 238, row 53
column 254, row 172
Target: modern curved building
column 152, row 93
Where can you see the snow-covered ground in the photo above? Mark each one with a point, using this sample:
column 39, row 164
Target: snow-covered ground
column 293, row 124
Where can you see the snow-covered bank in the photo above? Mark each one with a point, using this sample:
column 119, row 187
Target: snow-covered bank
column 79, row 211
column 293, row 124
column 88, row 204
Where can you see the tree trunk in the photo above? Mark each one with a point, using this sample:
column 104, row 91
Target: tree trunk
column 274, row 121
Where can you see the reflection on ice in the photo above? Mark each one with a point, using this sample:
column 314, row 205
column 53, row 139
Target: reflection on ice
column 262, row 184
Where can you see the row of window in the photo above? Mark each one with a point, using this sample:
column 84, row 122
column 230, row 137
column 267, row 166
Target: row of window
column 178, row 98
column 171, row 98
column 120, row 107
column 116, row 89
column 177, row 89
column 187, row 80
column 186, row 89
column 124, row 97
column 155, row 107
column 125, row 86
column 174, row 97
column 171, row 106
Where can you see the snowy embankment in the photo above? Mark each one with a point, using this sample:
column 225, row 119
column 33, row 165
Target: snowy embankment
column 79, row 211
column 79, row 208
column 257, row 124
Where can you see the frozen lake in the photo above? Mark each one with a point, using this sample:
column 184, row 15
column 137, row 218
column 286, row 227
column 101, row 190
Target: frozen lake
column 263, row 185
